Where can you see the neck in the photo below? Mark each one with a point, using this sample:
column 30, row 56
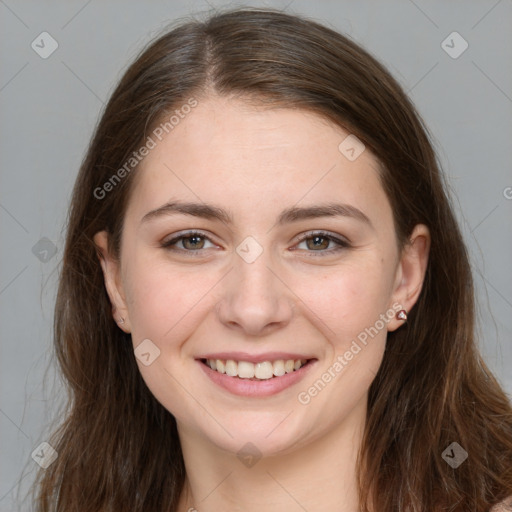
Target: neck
column 319, row 476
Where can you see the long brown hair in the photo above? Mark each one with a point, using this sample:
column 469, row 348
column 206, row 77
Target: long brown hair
column 118, row 446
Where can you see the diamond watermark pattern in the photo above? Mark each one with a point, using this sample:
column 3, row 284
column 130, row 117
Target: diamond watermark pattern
column 249, row 455
column 44, row 250
column 249, row 250
column 45, row 455
column 44, row 45
column 455, row 455
column 146, row 352
column 351, row 148
column 454, row 45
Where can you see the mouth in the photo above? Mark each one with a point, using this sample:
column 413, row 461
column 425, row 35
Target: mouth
column 263, row 370
column 258, row 379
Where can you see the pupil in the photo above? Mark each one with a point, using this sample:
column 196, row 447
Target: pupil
column 316, row 241
column 194, row 239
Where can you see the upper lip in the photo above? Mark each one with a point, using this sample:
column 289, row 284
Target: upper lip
column 254, row 358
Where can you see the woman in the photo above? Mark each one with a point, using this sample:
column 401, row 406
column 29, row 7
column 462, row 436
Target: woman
column 266, row 302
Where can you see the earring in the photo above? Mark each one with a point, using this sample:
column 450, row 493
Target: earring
column 402, row 315
column 121, row 319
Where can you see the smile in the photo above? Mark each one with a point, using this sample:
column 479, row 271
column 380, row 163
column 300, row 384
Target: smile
column 256, row 379
column 258, row 371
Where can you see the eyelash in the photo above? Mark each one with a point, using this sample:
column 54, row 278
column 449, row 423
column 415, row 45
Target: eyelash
column 342, row 244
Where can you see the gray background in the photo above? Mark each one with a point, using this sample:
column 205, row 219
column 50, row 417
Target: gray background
column 50, row 106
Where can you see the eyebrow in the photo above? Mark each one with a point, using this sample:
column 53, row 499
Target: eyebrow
column 293, row 214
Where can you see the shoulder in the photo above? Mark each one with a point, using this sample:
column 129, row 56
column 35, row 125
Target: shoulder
column 504, row 506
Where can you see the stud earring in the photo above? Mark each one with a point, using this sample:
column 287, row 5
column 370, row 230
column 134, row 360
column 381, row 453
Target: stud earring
column 121, row 319
column 402, row 315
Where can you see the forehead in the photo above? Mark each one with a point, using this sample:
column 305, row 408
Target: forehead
column 228, row 151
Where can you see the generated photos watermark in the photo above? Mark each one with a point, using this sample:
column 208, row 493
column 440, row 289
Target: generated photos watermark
column 152, row 140
column 305, row 397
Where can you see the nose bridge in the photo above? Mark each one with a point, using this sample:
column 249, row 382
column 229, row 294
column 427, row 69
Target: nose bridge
column 254, row 298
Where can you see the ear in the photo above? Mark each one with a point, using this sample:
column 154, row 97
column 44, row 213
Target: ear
column 113, row 283
column 410, row 272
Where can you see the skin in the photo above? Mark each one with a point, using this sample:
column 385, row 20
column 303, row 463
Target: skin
column 255, row 163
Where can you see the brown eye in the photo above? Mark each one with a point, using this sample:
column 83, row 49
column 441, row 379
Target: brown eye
column 190, row 242
column 318, row 242
column 193, row 242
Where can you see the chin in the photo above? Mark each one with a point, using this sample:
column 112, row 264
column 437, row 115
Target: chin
column 264, row 433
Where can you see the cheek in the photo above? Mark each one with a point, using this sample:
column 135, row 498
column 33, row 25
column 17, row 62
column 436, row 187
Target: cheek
column 347, row 300
column 353, row 304
column 165, row 303
column 167, row 306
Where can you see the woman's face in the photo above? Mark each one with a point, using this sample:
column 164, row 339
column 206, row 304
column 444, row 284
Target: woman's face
column 258, row 283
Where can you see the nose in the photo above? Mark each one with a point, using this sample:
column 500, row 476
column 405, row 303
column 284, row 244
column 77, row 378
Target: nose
column 255, row 299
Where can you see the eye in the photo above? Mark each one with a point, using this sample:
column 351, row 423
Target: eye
column 192, row 241
column 319, row 241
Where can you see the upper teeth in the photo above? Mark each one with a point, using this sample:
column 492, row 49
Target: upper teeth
column 263, row 370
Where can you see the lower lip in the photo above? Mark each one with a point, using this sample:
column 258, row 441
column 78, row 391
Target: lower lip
column 256, row 388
